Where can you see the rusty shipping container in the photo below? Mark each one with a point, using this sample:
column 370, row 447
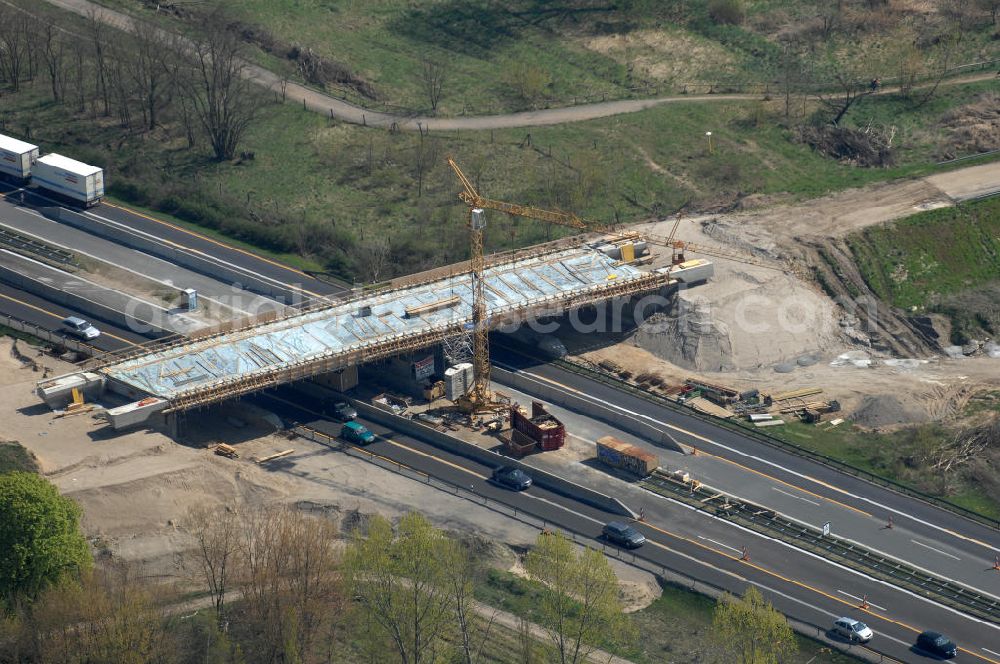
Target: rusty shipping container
column 541, row 427
column 619, row 454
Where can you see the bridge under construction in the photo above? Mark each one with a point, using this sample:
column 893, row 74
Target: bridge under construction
column 223, row 365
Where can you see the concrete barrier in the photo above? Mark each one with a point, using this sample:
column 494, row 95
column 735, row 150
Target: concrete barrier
column 553, row 395
column 79, row 303
column 169, row 252
column 490, row 458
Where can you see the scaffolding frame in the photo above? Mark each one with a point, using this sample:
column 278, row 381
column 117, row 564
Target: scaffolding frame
column 408, row 342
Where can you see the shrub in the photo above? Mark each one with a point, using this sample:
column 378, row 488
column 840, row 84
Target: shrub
column 729, row 12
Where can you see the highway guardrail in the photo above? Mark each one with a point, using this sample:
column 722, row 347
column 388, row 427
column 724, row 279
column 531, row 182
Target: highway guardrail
column 876, row 565
column 841, row 466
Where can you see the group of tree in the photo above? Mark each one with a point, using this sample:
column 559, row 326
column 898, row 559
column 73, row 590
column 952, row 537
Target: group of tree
column 280, row 587
column 141, row 77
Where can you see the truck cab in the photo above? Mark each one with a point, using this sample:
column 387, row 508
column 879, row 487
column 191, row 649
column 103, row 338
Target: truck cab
column 354, row 432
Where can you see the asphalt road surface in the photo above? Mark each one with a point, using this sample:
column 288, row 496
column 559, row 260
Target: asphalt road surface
column 922, row 518
column 297, row 284
column 801, row 585
column 33, row 309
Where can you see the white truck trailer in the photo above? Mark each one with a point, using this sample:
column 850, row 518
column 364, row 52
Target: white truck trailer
column 69, row 178
column 17, row 157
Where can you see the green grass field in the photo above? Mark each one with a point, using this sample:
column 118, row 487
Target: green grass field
column 584, row 50
column 932, row 254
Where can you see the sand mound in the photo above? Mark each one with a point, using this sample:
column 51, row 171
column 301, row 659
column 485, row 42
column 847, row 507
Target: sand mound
column 882, row 410
column 743, row 319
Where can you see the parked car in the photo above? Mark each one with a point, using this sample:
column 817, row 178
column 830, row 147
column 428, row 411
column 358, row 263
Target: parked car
column 512, row 478
column 937, row 644
column 354, row 432
column 342, row 411
column 623, row 535
column 80, row 328
column 853, row 630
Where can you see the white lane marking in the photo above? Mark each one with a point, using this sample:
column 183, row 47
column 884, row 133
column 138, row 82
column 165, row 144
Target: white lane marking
column 191, row 250
column 754, row 533
column 992, row 652
column 792, row 495
column 731, row 548
column 862, row 599
column 927, row 546
column 733, row 450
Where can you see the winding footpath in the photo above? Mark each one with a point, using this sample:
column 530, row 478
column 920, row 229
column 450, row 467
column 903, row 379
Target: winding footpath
column 331, row 106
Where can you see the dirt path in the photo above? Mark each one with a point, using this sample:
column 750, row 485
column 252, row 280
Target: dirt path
column 328, row 105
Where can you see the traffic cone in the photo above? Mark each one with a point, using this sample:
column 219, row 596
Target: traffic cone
column 746, row 555
column 996, row 562
column 889, row 525
column 694, row 451
column 864, row 602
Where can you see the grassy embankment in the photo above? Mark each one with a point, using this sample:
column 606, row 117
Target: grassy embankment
column 676, row 627
column 611, row 50
column 945, row 261
column 321, row 196
column 903, row 456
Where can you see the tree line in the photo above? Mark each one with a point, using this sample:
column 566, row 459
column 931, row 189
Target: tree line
column 275, row 585
column 136, row 76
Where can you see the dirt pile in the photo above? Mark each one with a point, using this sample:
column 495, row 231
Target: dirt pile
column 745, row 318
column 688, row 336
column 881, row 410
column 973, row 128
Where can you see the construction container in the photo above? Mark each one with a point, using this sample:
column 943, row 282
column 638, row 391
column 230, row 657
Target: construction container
column 619, row 454
column 69, row 178
column 17, row 157
column 458, row 380
column 541, row 427
column 516, row 444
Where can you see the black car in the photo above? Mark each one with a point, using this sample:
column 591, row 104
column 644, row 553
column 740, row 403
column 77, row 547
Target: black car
column 937, row 644
column 623, row 535
column 512, row 478
column 342, row 411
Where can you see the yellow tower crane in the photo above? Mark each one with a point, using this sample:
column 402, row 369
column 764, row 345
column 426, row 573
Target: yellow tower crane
column 480, row 397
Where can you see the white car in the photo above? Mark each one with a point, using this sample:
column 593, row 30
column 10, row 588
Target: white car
column 852, row 629
column 80, row 328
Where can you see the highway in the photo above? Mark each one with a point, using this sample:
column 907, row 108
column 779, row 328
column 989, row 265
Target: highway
column 801, row 585
column 837, row 492
column 33, row 309
column 298, row 284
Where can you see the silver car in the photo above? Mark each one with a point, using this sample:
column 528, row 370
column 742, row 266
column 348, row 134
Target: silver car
column 80, row 328
column 853, row 630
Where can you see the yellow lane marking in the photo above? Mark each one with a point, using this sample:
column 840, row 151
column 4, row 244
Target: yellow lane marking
column 55, row 315
column 953, row 533
column 431, row 456
column 800, row 584
column 217, row 243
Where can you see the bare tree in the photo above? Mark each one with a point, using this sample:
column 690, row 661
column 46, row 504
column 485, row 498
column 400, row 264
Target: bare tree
column 98, row 38
column 216, row 533
column 432, row 76
column 288, row 580
column 473, row 630
column 149, row 71
column 53, row 47
column 15, row 43
column 221, row 97
column 377, row 250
